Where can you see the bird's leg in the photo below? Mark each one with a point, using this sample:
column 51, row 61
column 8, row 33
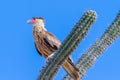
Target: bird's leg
column 49, row 57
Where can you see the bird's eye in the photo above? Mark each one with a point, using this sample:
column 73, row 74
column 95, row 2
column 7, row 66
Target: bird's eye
column 33, row 18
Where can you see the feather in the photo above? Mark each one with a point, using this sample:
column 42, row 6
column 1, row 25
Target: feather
column 37, row 50
column 50, row 43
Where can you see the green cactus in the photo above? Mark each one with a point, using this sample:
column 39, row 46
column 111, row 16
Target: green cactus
column 90, row 56
column 68, row 45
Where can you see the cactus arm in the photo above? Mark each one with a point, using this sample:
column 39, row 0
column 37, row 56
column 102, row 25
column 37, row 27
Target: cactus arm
column 90, row 56
column 68, row 45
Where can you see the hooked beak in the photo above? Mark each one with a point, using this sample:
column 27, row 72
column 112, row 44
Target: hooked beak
column 28, row 21
column 31, row 21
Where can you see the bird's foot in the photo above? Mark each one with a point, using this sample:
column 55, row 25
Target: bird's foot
column 49, row 58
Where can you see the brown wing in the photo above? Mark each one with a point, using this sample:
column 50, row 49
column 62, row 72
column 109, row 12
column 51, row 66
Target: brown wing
column 51, row 40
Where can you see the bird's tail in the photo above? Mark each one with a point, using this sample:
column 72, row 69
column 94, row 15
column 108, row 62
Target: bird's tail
column 72, row 70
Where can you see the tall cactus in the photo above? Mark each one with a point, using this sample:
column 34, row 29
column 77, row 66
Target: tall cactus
column 68, row 45
column 90, row 56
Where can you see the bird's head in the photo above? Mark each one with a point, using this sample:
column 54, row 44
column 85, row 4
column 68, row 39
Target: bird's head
column 36, row 21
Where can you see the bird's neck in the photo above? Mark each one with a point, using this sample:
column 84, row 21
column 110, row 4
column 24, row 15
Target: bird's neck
column 39, row 27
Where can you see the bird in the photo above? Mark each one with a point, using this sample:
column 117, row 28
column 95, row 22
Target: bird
column 47, row 43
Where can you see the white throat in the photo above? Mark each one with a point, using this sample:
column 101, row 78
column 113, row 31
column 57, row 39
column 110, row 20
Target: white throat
column 39, row 26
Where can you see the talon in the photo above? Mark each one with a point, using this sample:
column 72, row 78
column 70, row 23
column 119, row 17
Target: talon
column 49, row 58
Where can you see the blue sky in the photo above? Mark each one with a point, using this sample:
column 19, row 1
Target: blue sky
column 19, row 59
